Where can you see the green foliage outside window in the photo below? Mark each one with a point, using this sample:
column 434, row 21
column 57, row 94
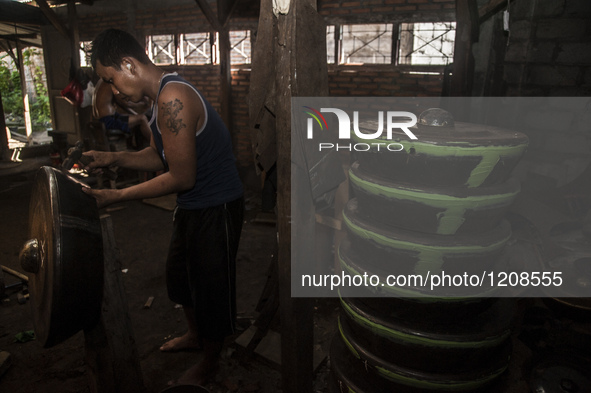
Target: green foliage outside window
column 12, row 98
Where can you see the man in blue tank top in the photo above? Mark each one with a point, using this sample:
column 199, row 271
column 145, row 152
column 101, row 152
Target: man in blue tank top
column 192, row 146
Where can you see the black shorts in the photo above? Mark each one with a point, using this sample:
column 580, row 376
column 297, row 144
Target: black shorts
column 201, row 265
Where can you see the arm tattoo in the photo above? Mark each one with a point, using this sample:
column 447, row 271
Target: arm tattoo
column 170, row 111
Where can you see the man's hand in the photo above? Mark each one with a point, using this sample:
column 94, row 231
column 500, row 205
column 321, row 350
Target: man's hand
column 104, row 197
column 98, row 159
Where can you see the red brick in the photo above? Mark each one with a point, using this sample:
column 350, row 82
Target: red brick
column 406, row 8
column 333, row 5
column 383, row 9
column 429, row 7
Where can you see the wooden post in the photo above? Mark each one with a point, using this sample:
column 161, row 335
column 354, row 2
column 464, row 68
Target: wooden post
column 462, row 79
column 3, row 134
column 300, row 56
column 74, row 33
column 226, row 82
column 467, row 29
column 27, row 113
column 111, row 354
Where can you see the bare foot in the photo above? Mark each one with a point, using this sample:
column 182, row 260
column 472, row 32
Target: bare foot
column 186, row 342
column 201, row 373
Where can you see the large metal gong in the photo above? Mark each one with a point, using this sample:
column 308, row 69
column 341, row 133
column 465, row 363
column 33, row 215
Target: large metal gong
column 63, row 258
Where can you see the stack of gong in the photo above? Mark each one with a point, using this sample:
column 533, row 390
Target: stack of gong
column 434, row 207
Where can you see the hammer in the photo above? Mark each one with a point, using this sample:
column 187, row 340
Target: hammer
column 75, row 155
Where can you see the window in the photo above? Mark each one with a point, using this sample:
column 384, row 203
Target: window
column 195, row 48
column 162, row 49
column 85, row 47
column 241, row 47
column 427, row 43
column 366, row 44
column 406, row 43
column 330, row 44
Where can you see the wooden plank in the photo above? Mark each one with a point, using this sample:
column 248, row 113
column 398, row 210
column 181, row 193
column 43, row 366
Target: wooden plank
column 5, row 362
column 74, row 34
column 15, row 273
column 467, row 29
column 225, row 9
column 25, row 95
column 209, row 14
column 300, row 55
column 489, row 9
column 329, row 221
column 261, row 95
column 15, row 12
column 269, row 348
column 226, row 83
column 55, row 21
column 111, row 355
column 3, row 135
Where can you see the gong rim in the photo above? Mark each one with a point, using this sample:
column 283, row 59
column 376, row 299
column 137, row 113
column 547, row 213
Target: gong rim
column 66, row 292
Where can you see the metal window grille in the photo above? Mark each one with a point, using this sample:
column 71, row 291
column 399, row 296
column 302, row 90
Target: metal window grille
column 85, row 47
column 240, row 47
column 368, row 44
column 195, row 48
column 162, row 49
column 427, row 43
column 330, row 44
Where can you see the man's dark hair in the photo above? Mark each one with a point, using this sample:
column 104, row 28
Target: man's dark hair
column 112, row 45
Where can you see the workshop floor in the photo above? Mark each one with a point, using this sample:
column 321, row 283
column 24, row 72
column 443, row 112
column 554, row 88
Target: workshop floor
column 142, row 233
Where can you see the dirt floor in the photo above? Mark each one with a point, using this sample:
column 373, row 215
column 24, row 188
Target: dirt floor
column 543, row 332
column 142, row 233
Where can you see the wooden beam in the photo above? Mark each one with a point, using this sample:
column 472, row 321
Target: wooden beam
column 15, row 12
column 225, row 9
column 489, row 9
column 209, row 14
column 301, row 70
column 74, row 33
column 55, row 21
column 226, row 83
column 26, row 109
column 467, row 29
column 8, row 49
column 3, row 137
column 14, row 37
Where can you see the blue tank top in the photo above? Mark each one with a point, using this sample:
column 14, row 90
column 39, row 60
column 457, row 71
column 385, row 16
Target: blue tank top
column 217, row 179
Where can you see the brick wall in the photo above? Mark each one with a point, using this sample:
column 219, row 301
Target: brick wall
column 549, row 56
column 382, row 81
column 549, row 52
column 206, row 79
column 387, row 10
column 343, row 80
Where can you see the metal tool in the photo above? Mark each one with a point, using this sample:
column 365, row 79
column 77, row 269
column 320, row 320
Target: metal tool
column 75, row 156
column 20, row 286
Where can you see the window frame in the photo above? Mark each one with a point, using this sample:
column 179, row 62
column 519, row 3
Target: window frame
column 395, row 59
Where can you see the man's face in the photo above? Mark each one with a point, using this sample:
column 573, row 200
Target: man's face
column 123, row 82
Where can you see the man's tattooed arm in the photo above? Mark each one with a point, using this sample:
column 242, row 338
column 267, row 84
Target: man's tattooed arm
column 170, row 111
